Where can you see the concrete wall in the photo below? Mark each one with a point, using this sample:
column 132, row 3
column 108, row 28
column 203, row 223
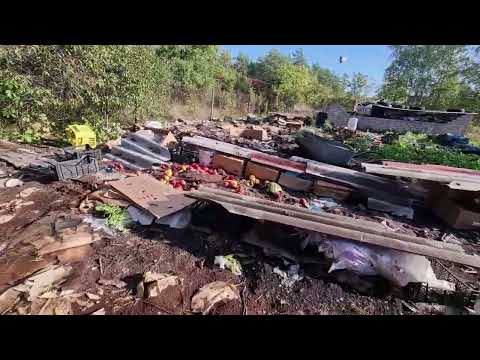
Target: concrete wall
column 339, row 117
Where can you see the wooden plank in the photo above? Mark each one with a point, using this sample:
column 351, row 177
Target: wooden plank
column 420, row 249
column 465, row 181
column 427, row 167
column 371, row 239
column 286, row 207
column 334, row 220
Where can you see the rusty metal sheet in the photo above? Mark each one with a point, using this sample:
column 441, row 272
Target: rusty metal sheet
column 151, row 195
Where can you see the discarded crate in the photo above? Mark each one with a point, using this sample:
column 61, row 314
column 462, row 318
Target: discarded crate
column 74, row 169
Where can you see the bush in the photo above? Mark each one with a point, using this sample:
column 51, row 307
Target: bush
column 45, row 88
column 419, row 149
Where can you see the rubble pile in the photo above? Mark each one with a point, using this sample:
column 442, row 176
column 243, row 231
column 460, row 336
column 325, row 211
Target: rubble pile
column 182, row 217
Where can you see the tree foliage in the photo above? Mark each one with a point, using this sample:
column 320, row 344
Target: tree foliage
column 45, row 88
column 426, row 75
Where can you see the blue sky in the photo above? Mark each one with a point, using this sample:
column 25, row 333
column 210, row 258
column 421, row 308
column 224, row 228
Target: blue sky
column 371, row 60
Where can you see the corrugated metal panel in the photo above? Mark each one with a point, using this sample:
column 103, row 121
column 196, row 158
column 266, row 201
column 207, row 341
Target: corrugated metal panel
column 138, row 152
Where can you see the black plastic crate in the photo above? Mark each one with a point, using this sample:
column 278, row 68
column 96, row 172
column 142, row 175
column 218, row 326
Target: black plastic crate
column 74, row 169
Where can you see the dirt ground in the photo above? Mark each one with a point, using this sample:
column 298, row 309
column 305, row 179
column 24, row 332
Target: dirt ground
column 187, row 253
column 106, row 273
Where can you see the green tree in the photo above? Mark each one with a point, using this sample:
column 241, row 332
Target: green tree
column 194, row 66
column 269, row 67
column 427, row 75
column 299, row 58
column 358, row 86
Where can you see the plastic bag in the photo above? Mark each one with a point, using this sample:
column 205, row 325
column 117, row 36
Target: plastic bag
column 178, row 220
column 396, row 266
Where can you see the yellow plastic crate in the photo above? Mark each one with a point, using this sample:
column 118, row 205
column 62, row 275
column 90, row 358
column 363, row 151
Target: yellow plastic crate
column 81, row 135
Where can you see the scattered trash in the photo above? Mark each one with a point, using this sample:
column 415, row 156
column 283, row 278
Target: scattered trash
column 153, row 284
column 291, row 276
column 211, row 294
column 9, row 183
column 398, row 210
column 399, row 267
column 140, row 216
column 99, row 312
column 319, row 204
column 437, row 309
column 98, row 224
column 178, row 220
column 229, row 262
column 93, row 296
column 44, row 280
column 205, row 157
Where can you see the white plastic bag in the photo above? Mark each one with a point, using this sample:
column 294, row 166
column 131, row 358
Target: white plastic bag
column 396, row 266
column 178, row 220
column 205, row 157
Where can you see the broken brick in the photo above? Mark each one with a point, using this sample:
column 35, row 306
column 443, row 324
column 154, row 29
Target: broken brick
column 294, row 182
column 261, row 171
column 230, row 164
column 256, row 134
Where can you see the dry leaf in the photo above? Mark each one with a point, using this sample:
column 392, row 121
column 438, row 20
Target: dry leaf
column 211, row 294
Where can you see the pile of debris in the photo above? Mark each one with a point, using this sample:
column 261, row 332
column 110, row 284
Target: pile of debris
column 161, row 178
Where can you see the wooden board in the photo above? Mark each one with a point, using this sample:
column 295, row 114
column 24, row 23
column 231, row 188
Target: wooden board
column 237, row 207
column 459, row 181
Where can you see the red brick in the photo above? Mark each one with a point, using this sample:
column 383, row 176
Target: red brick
column 294, row 183
column 230, row 164
column 261, row 171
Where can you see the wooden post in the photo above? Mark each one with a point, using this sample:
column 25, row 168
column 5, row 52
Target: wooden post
column 213, row 101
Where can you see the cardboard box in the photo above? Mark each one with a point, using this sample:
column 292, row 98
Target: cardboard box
column 295, row 183
column 261, row 171
column 230, row 164
column 327, row 189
